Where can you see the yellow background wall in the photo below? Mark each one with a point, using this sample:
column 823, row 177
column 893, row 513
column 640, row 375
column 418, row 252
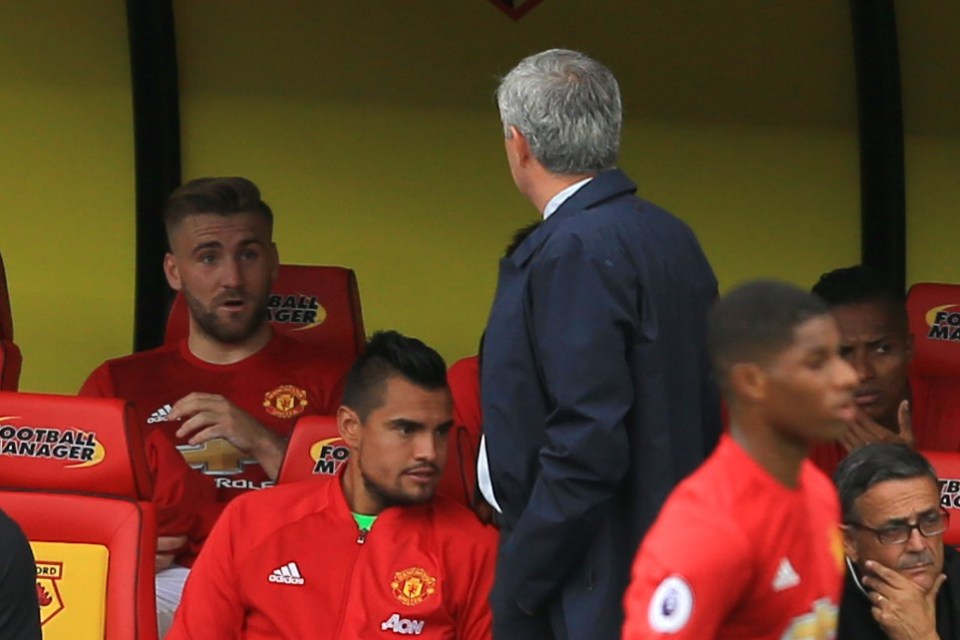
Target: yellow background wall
column 66, row 185
column 930, row 68
column 372, row 131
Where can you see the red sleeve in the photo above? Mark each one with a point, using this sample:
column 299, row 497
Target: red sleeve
column 210, row 606
column 475, row 620
column 185, row 499
column 675, row 592
column 98, row 384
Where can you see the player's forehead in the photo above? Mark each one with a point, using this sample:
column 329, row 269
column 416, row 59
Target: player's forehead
column 900, row 499
column 813, row 335
column 404, row 400
column 225, row 230
column 868, row 320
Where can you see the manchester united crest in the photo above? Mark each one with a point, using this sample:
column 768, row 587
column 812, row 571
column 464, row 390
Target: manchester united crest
column 48, row 594
column 412, row 586
column 286, row 401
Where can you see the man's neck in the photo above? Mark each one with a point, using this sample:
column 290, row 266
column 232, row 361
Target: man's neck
column 779, row 456
column 357, row 498
column 210, row 350
column 547, row 185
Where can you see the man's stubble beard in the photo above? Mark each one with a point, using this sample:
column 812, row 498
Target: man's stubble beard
column 388, row 497
column 211, row 325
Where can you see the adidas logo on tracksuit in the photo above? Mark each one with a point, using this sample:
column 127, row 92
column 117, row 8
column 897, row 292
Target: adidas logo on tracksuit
column 160, row 415
column 786, row 577
column 287, row 574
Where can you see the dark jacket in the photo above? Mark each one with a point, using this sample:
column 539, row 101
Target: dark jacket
column 596, row 395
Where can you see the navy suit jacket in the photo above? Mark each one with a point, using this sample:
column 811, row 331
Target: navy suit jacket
column 597, row 397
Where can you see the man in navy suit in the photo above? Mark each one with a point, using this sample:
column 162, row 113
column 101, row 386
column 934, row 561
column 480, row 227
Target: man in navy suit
column 596, row 392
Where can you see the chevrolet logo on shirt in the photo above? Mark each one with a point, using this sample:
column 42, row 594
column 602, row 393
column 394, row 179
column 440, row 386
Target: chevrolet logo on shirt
column 215, row 457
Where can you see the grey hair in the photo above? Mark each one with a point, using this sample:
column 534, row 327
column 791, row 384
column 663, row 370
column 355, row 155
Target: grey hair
column 567, row 106
column 872, row 464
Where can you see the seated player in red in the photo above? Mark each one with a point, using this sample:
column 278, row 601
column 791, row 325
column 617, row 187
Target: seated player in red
column 875, row 339
column 229, row 395
column 748, row 547
column 370, row 554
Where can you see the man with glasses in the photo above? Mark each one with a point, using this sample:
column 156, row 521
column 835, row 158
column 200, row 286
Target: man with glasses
column 902, row 582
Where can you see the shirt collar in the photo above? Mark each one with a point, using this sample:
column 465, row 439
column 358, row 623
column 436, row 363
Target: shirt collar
column 562, row 197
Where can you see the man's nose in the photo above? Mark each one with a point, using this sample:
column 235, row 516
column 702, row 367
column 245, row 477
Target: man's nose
column 425, row 447
column 915, row 541
column 232, row 274
column 863, row 365
column 847, row 376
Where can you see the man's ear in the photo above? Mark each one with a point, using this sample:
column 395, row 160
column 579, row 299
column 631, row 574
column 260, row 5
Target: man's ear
column 849, row 544
column 349, row 426
column 748, row 381
column 172, row 272
column 518, row 147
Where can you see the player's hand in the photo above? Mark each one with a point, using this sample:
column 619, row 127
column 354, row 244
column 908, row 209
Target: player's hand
column 167, row 548
column 903, row 609
column 483, row 510
column 207, row 416
column 865, row 430
column 905, row 422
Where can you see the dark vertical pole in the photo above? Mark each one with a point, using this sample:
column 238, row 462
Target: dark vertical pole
column 882, row 183
column 156, row 133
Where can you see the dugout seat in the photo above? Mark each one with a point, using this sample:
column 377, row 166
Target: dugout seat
column 947, row 466
column 317, row 304
column 315, row 450
column 10, row 358
column 73, row 474
column 934, row 314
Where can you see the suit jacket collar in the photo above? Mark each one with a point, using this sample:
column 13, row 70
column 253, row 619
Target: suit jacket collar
column 607, row 185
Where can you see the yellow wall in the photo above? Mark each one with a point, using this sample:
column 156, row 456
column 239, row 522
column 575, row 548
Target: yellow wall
column 372, row 131
column 66, row 185
column 930, row 67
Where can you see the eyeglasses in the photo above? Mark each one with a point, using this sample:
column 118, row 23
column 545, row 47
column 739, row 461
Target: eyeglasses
column 930, row 524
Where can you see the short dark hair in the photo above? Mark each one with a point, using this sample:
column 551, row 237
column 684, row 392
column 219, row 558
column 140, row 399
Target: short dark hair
column 222, row 196
column 872, row 464
column 389, row 353
column 855, row 284
column 755, row 321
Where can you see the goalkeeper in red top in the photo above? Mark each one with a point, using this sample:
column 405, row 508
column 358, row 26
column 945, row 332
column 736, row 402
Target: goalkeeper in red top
column 229, row 395
column 369, row 554
column 749, row 547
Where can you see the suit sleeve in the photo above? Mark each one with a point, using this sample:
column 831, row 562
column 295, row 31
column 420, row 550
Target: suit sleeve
column 585, row 315
column 211, row 606
column 676, row 592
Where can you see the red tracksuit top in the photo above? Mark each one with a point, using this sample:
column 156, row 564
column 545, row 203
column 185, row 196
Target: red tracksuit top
column 276, row 385
column 291, row 563
column 735, row 554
